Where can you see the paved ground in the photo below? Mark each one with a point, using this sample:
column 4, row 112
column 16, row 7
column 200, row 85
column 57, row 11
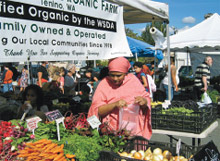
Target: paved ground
column 215, row 136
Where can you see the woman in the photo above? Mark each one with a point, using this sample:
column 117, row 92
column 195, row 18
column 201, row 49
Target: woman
column 141, row 75
column 42, row 74
column 145, row 79
column 120, row 90
column 24, row 78
column 174, row 79
column 33, row 94
column 62, row 74
column 69, row 81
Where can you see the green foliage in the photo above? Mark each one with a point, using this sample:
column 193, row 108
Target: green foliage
column 85, row 148
column 131, row 34
column 214, row 95
column 49, row 131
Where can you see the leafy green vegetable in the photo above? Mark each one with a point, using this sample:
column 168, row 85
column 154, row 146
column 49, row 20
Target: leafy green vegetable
column 85, row 148
column 214, row 95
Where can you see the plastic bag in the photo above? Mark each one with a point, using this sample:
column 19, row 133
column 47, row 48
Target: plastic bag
column 205, row 98
column 128, row 117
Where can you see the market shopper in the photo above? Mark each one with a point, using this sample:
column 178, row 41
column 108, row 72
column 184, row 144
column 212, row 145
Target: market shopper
column 174, row 79
column 42, row 74
column 23, row 81
column 33, row 98
column 202, row 77
column 92, row 76
column 69, row 80
column 121, row 90
column 138, row 68
column 7, row 79
column 103, row 73
column 62, row 75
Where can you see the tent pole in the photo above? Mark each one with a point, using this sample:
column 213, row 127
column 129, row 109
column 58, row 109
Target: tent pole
column 168, row 62
column 154, row 75
column 94, row 63
column 136, row 56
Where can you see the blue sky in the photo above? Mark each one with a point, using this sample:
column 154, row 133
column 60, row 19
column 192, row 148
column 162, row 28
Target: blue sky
column 184, row 13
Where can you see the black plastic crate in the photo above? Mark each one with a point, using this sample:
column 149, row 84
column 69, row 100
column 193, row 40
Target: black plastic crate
column 140, row 143
column 195, row 122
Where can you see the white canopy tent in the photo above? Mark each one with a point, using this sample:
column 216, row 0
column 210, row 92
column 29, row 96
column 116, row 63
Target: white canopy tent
column 203, row 37
column 141, row 11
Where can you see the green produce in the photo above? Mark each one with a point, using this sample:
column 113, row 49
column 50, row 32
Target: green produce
column 85, row 148
column 49, row 131
column 178, row 111
column 214, row 95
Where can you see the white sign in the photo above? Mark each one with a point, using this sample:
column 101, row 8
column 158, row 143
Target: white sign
column 32, row 123
column 94, row 122
column 58, row 121
column 61, row 30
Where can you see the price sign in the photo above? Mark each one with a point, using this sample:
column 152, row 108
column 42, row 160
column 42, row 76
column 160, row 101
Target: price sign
column 32, row 123
column 209, row 152
column 53, row 115
column 94, row 121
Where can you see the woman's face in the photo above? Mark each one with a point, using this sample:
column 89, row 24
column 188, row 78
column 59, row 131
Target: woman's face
column 117, row 77
column 73, row 70
column 137, row 69
column 31, row 96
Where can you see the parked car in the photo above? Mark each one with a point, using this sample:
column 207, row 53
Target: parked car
column 185, row 71
column 186, row 76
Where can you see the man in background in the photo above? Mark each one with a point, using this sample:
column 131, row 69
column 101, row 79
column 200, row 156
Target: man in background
column 7, row 79
column 202, row 77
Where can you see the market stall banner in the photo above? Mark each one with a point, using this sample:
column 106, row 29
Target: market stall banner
column 56, row 30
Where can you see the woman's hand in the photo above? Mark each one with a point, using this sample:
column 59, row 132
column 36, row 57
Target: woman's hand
column 140, row 100
column 121, row 103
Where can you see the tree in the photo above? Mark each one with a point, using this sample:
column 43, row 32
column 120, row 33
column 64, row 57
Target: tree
column 146, row 36
column 131, row 33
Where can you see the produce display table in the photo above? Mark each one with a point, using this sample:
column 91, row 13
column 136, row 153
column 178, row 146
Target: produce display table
column 194, row 136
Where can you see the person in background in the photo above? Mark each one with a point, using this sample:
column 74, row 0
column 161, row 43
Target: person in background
column 119, row 90
column 62, row 74
column 138, row 67
column 42, row 74
column 69, row 81
column 15, row 76
column 145, row 79
column 152, row 68
column 92, row 76
column 7, row 79
column 33, row 96
column 23, row 79
column 202, row 77
column 103, row 73
column 54, row 85
column 174, row 79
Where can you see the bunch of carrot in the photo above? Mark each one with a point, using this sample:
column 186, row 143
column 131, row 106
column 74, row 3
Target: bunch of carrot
column 44, row 150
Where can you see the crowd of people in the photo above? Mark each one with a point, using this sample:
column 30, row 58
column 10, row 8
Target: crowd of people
column 112, row 89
